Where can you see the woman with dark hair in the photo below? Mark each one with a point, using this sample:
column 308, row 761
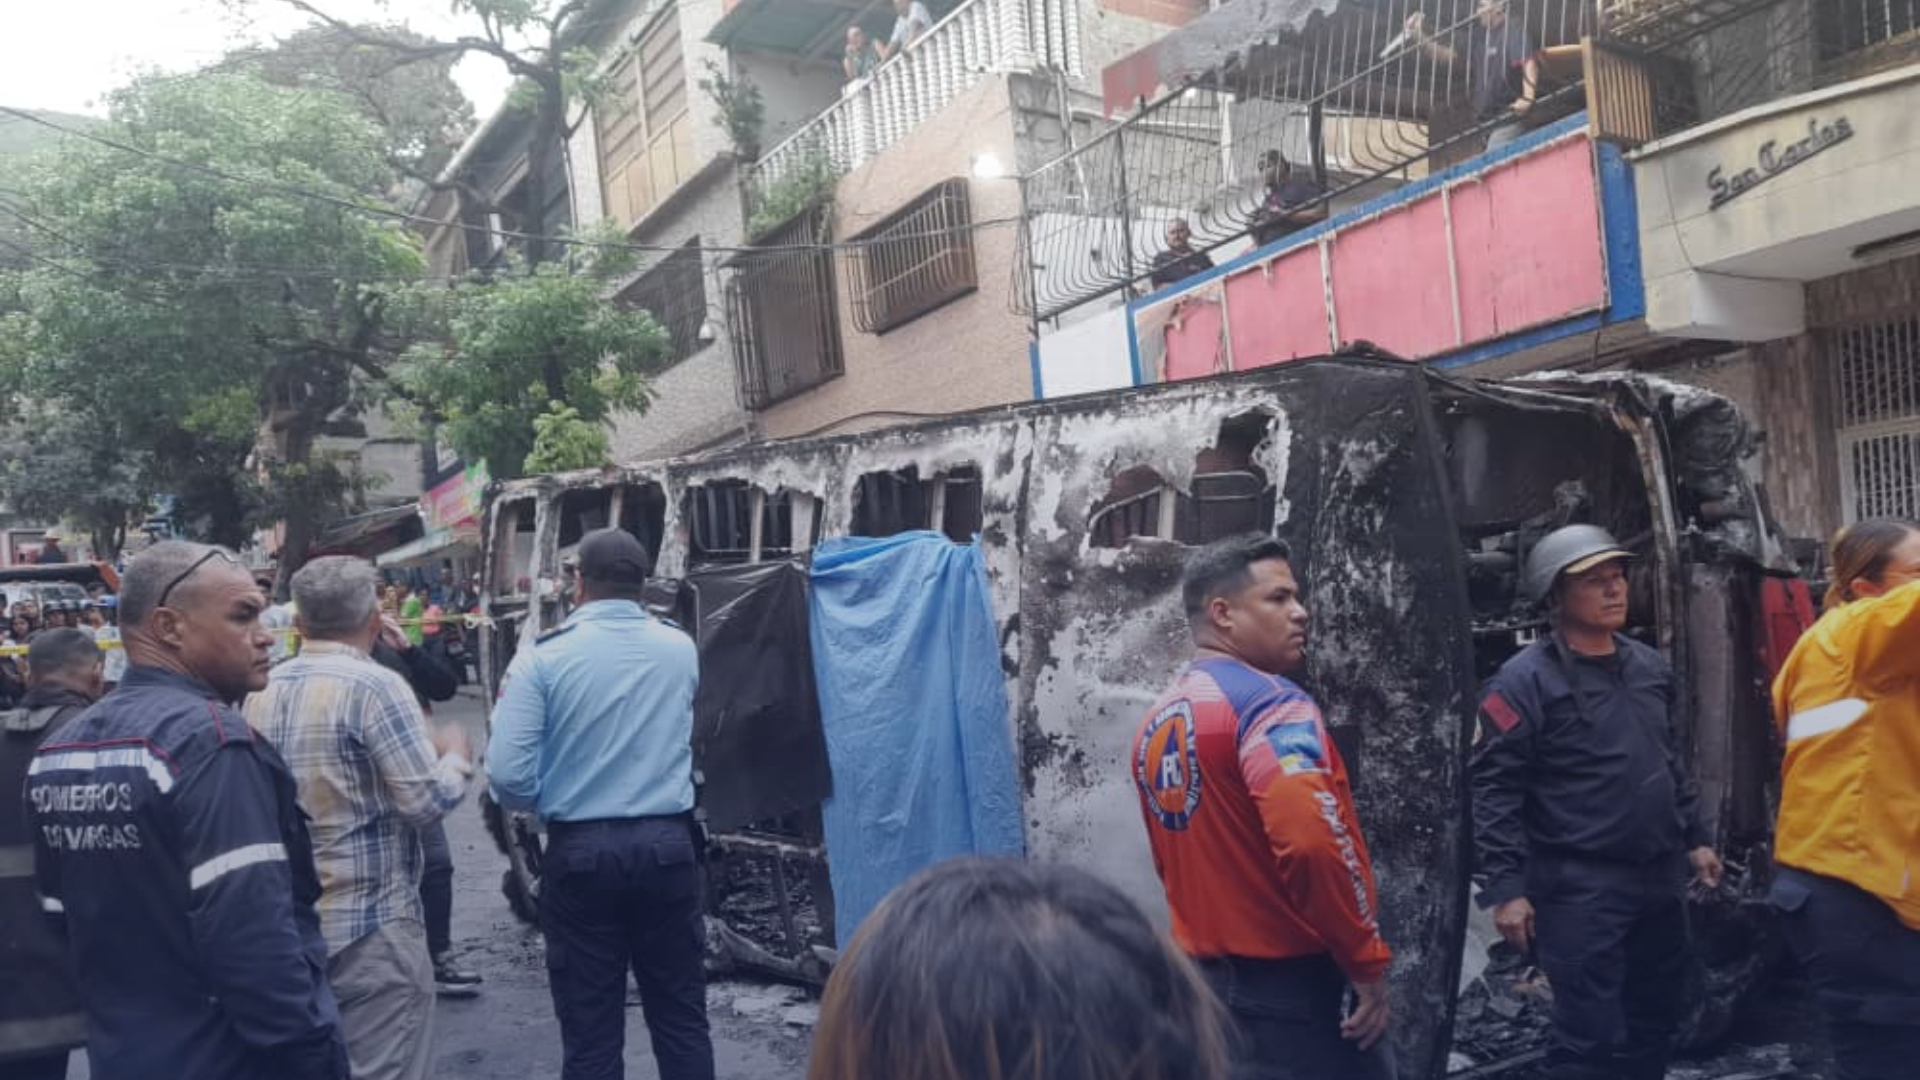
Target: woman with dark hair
column 997, row 969
column 1848, row 843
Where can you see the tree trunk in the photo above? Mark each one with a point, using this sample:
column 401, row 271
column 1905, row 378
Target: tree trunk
column 300, row 522
column 543, row 144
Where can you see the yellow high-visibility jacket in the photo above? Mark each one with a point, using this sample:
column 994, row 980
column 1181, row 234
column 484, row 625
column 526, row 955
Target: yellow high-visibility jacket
column 1848, row 705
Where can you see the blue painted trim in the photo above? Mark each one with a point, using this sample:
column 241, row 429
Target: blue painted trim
column 1492, row 350
column 1620, row 231
column 1133, row 350
column 1371, row 208
column 1033, row 364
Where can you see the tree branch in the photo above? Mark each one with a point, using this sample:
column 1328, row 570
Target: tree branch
column 491, row 45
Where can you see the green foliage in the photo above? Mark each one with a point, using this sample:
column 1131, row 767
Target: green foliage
column 420, row 108
column 182, row 310
column 743, row 110
column 73, row 467
column 563, row 440
column 511, row 346
column 808, row 185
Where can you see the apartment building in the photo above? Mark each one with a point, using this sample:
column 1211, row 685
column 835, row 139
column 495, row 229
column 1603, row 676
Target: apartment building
column 1711, row 189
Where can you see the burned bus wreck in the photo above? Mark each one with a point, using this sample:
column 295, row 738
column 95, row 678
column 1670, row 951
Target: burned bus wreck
column 1410, row 500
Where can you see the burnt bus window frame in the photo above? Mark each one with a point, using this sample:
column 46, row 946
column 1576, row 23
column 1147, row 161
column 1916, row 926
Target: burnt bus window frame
column 513, row 518
column 674, row 292
column 918, row 259
column 783, row 314
column 719, row 517
column 888, row 503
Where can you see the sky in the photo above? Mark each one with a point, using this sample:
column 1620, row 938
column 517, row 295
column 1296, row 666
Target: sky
column 66, row 56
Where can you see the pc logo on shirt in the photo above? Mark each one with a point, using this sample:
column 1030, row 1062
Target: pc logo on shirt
column 1167, row 767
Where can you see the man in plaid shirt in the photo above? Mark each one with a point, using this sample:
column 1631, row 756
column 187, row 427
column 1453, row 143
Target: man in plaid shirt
column 371, row 774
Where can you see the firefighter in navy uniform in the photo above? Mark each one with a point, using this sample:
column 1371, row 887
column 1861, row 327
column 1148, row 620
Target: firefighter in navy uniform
column 1584, row 822
column 168, row 842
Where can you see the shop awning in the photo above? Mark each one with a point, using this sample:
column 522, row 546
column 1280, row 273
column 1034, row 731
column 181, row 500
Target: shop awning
column 369, row 533
column 432, row 548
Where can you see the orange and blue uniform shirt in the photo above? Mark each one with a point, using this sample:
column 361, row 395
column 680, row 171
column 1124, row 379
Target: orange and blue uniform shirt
column 1250, row 817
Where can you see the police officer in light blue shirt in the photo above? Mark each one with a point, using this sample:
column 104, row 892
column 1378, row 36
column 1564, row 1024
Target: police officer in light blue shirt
column 594, row 731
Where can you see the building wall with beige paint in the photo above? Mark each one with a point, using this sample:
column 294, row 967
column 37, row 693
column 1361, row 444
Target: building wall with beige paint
column 968, row 354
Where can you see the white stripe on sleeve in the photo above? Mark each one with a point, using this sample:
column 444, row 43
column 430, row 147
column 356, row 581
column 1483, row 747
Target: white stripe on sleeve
column 1826, row 719
column 239, row 858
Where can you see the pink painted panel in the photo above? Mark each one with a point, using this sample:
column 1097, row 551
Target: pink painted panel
column 1279, row 314
column 1528, row 243
column 1194, row 340
column 1390, row 283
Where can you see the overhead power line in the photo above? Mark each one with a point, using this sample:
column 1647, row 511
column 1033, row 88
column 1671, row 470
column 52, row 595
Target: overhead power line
column 392, row 214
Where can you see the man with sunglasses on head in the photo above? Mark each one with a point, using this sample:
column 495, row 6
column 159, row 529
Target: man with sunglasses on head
column 168, row 845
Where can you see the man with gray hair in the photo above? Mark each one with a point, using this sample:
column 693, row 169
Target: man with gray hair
column 371, row 777
column 167, row 839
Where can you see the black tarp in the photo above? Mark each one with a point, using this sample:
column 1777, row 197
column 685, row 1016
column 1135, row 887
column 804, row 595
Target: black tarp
column 756, row 718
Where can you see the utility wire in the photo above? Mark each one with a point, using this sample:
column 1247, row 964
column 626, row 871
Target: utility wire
column 443, row 223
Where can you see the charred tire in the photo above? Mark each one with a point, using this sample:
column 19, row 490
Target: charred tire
column 516, row 838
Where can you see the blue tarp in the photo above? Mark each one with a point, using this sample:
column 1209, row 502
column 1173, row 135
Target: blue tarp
column 914, row 704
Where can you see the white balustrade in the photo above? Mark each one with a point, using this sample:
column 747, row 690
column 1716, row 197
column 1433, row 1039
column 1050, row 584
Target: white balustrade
column 980, row 36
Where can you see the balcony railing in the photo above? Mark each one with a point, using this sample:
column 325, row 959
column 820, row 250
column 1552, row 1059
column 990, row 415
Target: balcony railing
column 979, row 37
column 1356, row 104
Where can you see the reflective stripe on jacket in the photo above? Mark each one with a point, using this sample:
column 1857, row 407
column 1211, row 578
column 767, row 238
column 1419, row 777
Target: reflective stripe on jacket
column 1847, row 704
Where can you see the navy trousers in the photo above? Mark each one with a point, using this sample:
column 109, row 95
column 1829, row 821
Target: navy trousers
column 1864, row 964
column 436, row 888
column 620, row 896
column 1612, row 938
column 1286, row 1019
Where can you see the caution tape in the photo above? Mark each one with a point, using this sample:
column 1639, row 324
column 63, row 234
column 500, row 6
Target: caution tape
column 470, row 622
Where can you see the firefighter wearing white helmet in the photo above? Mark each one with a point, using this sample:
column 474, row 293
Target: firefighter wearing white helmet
column 1585, row 824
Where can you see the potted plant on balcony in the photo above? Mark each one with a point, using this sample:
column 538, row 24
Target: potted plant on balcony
column 743, row 110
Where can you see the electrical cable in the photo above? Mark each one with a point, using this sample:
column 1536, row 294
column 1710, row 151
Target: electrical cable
column 389, row 213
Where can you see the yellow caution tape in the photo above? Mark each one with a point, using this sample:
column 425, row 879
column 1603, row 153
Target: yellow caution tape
column 471, row 622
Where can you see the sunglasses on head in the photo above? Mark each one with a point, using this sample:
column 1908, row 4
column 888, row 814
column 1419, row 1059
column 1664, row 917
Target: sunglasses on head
column 203, row 560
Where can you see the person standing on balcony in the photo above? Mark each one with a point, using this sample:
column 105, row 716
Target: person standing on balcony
column 1291, row 202
column 1504, row 68
column 911, row 22
column 861, row 56
column 1180, row 261
column 1585, row 820
column 1845, row 701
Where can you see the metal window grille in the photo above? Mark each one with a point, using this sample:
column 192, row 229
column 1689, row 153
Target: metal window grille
column 1877, row 402
column 1354, row 103
column 783, row 315
column 916, row 260
column 675, row 293
column 1845, row 27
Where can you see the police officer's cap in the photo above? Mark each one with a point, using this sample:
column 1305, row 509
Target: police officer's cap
column 614, row 556
column 1572, row 549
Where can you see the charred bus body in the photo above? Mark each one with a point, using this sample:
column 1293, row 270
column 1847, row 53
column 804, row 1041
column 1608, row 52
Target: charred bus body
column 1410, row 500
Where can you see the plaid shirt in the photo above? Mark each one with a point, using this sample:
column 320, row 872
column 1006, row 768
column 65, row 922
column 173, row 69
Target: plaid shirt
column 357, row 742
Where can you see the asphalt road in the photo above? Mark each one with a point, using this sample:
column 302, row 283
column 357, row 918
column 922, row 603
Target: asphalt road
column 507, row 1031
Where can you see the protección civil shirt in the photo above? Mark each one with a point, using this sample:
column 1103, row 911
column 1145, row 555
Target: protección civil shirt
column 595, row 719
column 1848, row 703
column 1250, row 817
